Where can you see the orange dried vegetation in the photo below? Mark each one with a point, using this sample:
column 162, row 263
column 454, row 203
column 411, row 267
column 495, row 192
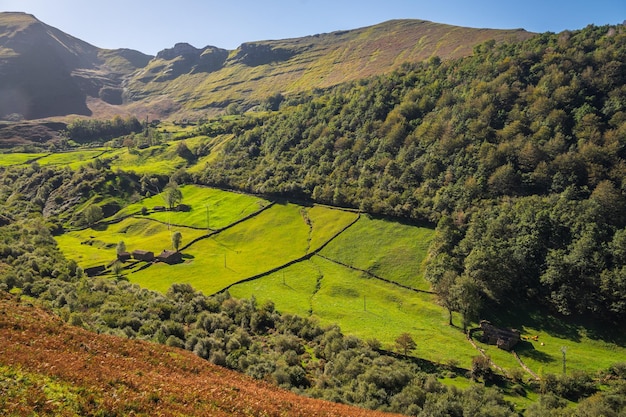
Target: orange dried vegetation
column 128, row 376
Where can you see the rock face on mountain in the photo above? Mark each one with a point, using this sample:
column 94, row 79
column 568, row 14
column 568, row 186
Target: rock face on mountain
column 45, row 72
column 183, row 59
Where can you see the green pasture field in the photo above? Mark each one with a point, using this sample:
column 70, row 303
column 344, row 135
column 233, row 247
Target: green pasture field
column 222, row 207
column 161, row 159
column 19, row 158
column 362, row 306
column 91, row 247
column 544, row 356
column 370, row 308
column 290, row 289
column 273, row 238
column 323, row 288
column 388, row 249
column 73, row 159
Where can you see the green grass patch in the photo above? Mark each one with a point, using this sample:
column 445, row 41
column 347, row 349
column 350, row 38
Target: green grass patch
column 273, row 238
column 291, row 289
column 362, row 306
column 9, row 159
column 208, row 205
column 161, row 159
column 388, row 249
column 90, row 247
column 72, row 159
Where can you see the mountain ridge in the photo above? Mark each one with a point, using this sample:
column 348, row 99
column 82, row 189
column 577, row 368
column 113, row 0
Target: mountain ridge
column 48, row 73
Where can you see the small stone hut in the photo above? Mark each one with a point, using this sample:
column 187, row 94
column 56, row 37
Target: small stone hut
column 503, row 338
column 143, row 255
column 123, row 256
column 170, row 257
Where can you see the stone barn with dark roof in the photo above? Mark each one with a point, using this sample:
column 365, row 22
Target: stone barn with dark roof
column 170, row 257
column 143, row 255
column 503, row 338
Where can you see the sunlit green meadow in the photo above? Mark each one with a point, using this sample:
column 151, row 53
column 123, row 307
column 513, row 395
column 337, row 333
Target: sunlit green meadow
column 266, row 241
column 388, row 249
column 72, row 159
column 210, row 207
column 19, row 158
column 363, row 306
column 90, row 247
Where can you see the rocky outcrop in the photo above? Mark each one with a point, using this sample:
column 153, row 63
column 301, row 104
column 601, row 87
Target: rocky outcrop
column 255, row 54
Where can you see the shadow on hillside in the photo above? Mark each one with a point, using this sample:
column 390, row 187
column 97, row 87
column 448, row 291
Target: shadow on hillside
column 541, row 319
column 527, row 349
column 100, row 227
column 530, row 317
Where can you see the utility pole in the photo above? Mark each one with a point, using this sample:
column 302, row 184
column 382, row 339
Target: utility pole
column 564, row 351
column 208, row 228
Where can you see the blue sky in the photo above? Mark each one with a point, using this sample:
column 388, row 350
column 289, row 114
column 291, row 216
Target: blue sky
column 152, row 25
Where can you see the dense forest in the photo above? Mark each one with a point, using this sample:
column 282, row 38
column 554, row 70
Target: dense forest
column 517, row 153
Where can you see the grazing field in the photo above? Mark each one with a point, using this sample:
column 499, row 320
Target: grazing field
column 268, row 240
column 90, row 247
column 73, row 159
column 388, row 249
column 363, row 306
column 210, row 207
column 367, row 276
column 19, row 158
column 161, row 159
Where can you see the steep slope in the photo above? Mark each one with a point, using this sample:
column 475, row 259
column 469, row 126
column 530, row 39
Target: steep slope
column 258, row 70
column 50, row 368
column 45, row 72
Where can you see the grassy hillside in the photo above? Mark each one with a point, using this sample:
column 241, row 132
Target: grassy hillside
column 272, row 238
column 50, row 368
column 258, row 70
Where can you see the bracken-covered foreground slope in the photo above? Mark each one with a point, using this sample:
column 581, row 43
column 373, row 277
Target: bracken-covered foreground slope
column 48, row 367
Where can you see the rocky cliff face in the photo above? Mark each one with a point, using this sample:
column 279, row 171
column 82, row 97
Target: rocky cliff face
column 183, row 59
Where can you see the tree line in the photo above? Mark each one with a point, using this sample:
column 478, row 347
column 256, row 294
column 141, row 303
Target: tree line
column 94, row 130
